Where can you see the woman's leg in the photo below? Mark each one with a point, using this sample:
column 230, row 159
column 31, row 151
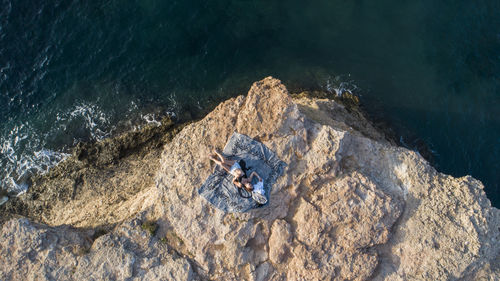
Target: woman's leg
column 223, row 159
column 219, row 155
column 224, row 166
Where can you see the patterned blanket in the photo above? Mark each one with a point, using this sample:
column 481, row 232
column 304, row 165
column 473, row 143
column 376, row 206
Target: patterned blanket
column 219, row 190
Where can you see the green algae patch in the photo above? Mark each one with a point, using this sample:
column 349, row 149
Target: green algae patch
column 174, row 238
column 349, row 99
column 150, row 226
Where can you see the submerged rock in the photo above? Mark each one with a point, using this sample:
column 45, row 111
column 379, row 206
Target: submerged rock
column 350, row 206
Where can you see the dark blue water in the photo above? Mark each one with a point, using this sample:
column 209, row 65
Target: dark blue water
column 83, row 70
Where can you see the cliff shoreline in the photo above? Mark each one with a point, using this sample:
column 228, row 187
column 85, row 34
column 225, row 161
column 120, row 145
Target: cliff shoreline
column 87, row 161
column 351, row 205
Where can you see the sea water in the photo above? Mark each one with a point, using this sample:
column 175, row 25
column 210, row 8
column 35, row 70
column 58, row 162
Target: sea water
column 74, row 71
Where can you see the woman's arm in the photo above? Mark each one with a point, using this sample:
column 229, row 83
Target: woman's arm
column 251, row 176
column 255, row 174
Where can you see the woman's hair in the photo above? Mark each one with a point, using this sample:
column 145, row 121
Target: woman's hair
column 243, row 165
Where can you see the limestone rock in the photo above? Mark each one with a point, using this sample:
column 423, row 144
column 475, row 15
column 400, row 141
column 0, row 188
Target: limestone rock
column 279, row 241
column 350, row 206
column 266, row 108
column 36, row 252
column 345, row 197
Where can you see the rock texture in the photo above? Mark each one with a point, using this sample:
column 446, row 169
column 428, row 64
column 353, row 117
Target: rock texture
column 36, row 252
column 350, row 206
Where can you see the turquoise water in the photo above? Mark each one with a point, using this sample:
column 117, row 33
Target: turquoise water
column 84, row 70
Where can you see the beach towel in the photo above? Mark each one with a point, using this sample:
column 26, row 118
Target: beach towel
column 218, row 188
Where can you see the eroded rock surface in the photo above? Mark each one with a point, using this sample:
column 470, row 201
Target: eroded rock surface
column 32, row 251
column 350, row 206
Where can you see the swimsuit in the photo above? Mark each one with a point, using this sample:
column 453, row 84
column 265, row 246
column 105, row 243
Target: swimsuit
column 234, row 167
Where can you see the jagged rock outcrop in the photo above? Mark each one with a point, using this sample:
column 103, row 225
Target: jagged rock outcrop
column 350, row 206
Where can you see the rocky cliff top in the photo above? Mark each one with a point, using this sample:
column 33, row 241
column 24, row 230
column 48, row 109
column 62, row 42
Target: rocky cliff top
column 350, row 206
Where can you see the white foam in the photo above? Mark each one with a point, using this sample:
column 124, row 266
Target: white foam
column 94, row 117
column 18, row 162
column 151, row 118
column 340, row 84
